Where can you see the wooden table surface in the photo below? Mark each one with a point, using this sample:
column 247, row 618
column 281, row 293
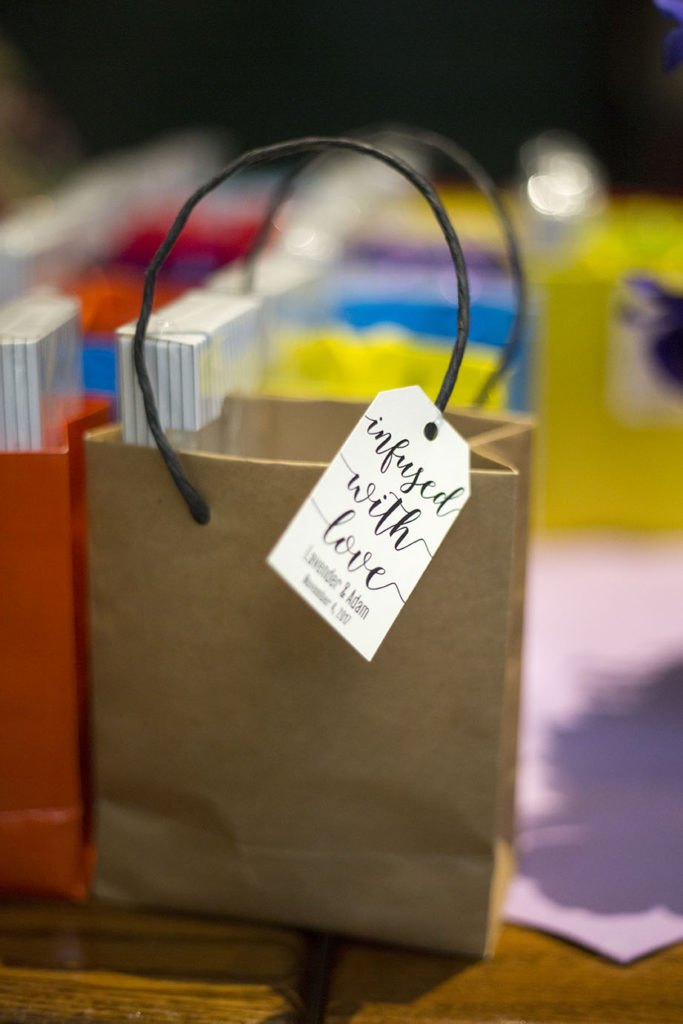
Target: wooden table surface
column 102, row 965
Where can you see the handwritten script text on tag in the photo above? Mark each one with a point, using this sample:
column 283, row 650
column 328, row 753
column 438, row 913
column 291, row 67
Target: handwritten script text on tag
column 362, row 539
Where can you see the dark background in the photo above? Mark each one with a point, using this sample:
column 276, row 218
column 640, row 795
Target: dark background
column 487, row 72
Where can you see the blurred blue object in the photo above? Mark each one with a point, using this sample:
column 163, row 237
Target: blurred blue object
column 489, row 324
column 99, row 364
column 419, row 295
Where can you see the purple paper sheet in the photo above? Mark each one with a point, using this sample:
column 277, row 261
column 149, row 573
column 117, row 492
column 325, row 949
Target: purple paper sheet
column 600, row 797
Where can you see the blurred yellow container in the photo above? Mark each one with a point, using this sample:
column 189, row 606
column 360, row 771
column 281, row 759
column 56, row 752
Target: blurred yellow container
column 596, row 466
column 338, row 363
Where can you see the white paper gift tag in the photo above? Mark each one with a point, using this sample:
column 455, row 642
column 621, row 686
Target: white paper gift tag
column 371, row 525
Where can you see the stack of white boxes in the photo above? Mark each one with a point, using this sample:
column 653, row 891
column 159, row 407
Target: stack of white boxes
column 198, row 349
column 40, row 369
column 46, row 240
column 293, row 290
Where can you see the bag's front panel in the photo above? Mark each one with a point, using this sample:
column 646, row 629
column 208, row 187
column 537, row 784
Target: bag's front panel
column 251, row 762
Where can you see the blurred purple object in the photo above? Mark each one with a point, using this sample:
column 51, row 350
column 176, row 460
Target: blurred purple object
column 668, row 350
column 672, row 45
column 600, row 805
column 662, row 318
column 478, row 258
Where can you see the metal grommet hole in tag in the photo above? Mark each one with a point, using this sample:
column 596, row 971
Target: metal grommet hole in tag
column 430, row 431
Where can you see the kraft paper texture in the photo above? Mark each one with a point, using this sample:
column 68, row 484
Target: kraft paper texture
column 248, row 760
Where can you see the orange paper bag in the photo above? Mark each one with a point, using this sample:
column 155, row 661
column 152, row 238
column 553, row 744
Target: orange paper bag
column 44, row 827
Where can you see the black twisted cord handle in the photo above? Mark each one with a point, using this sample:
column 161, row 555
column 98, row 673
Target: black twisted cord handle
column 478, row 175
column 197, row 505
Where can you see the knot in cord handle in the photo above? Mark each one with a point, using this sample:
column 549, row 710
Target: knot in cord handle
column 253, row 158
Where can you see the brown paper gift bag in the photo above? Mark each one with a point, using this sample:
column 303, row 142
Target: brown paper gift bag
column 249, row 761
